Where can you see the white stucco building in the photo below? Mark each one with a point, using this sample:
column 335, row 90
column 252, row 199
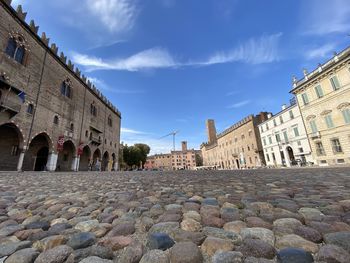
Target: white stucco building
column 284, row 138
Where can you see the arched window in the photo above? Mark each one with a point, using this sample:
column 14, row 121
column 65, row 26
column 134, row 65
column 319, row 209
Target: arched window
column 110, row 120
column 15, row 49
column 72, row 127
column 55, row 120
column 93, row 109
column 86, row 133
column 66, row 89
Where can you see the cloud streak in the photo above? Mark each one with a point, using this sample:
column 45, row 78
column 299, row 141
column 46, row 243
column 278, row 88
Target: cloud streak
column 125, row 131
column 254, row 51
column 320, row 52
column 239, row 104
column 103, row 86
column 323, row 17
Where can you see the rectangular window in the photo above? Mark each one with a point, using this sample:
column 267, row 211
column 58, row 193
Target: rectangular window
column 319, row 91
column 336, row 146
column 335, row 83
column 281, row 119
column 346, row 115
column 274, row 122
column 329, row 121
column 285, row 135
column 313, row 126
column 301, row 150
column 296, row 131
column 278, row 137
column 264, row 141
column 319, row 148
column 273, row 157
column 267, row 157
column 305, row 98
column 267, row 126
column 291, row 115
column 270, row 140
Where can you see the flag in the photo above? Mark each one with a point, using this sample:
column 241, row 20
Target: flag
column 22, row 96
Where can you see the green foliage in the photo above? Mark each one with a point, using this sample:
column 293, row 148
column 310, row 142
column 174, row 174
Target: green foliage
column 199, row 160
column 134, row 155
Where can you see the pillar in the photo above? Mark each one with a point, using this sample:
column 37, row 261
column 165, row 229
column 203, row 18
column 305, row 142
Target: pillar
column 74, row 163
column 78, row 164
column 20, row 161
column 51, row 162
column 286, row 157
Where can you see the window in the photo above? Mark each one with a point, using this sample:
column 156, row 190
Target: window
column 291, row 115
column 301, row 149
column 30, row 109
column 15, row 49
column 250, row 133
column 66, row 89
column 71, row 127
column 329, row 121
column 242, row 136
column 267, row 157
column 274, row 122
column 270, row 140
column 336, row 145
column 296, row 131
column 55, row 120
column 93, row 109
column 346, row 115
column 267, row 126
column 14, row 150
column 319, row 148
column 264, row 141
column 305, row 98
column 319, row 91
column 248, row 148
column 262, row 129
column 278, row 137
column 335, row 83
column 110, row 120
column 281, row 119
column 86, row 134
column 285, row 135
column 313, row 126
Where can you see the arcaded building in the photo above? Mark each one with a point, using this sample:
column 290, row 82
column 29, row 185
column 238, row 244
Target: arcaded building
column 236, row 147
column 51, row 116
column 324, row 99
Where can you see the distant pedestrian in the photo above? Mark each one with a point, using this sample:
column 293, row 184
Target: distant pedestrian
column 98, row 165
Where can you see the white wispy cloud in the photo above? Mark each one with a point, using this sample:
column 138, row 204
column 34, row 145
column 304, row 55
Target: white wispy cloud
column 125, row 131
column 239, row 104
column 254, row 51
column 321, row 52
column 100, row 84
column 115, row 15
column 324, row 17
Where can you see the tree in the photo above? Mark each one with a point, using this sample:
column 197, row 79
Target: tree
column 134, row 155
column 199, row 160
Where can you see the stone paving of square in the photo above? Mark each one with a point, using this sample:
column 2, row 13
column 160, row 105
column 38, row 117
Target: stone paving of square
column 287, row 215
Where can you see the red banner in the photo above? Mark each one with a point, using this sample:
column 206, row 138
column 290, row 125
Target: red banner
column 60, row 143
column 80, row 148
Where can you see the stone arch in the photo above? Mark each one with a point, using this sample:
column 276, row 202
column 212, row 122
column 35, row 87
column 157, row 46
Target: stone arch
column 11, row 145
column 36, row 156
column 105, row 161
column 85, row 158
column 96, row 160
column 66, row 157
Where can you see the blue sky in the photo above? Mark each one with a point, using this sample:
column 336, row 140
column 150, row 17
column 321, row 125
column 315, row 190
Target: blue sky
column 171, row 64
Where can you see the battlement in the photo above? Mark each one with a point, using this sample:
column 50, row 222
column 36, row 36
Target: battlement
column 54, row 50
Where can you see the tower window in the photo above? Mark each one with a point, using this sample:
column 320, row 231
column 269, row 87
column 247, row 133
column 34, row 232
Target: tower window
column 15, row 49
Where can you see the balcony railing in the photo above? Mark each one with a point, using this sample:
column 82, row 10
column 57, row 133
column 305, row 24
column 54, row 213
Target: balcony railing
column 95, row 140
column 315, row 135
column 10, row 106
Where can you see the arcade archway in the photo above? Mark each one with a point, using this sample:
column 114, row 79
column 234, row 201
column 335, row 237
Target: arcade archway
column 85, row 159
column 105, row 161
column 96, row 158
column 11, row 143
column 37, row 154
column 66, row 157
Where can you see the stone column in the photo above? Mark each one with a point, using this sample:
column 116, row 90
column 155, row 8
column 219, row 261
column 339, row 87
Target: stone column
column 20, row 160
column 74, row 163
column 51, row 162
column 286, row 156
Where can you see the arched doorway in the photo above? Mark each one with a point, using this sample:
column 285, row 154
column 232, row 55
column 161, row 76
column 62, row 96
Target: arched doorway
column 66, row 157
column 11, row 143
column 114, row 159
column 36, row 157
column 105, row 160
column 85, row 159
column 96, row 157
column 291, row 155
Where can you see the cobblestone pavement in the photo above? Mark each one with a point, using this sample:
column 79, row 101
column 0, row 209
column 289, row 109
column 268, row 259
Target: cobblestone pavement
column 300, row 215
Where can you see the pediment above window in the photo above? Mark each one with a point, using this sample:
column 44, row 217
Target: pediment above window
column 310, row 117
column 343, row 106
column 325, row 112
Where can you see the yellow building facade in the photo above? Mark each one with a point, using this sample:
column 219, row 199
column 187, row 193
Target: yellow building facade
column 324, row 100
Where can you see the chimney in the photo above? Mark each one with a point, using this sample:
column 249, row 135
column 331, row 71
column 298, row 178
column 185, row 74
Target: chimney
column 211, row 131
column 269, row 115
column 184, row 146
column 284, row 106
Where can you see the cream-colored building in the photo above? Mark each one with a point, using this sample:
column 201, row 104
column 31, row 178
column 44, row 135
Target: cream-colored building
column 176, row 160
column 237, row 147
column 324, row 100
column 284, row 138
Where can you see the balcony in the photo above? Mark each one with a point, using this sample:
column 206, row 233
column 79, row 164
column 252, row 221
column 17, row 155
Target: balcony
column 315, row 135
column 95, row 140
column 11, row 107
